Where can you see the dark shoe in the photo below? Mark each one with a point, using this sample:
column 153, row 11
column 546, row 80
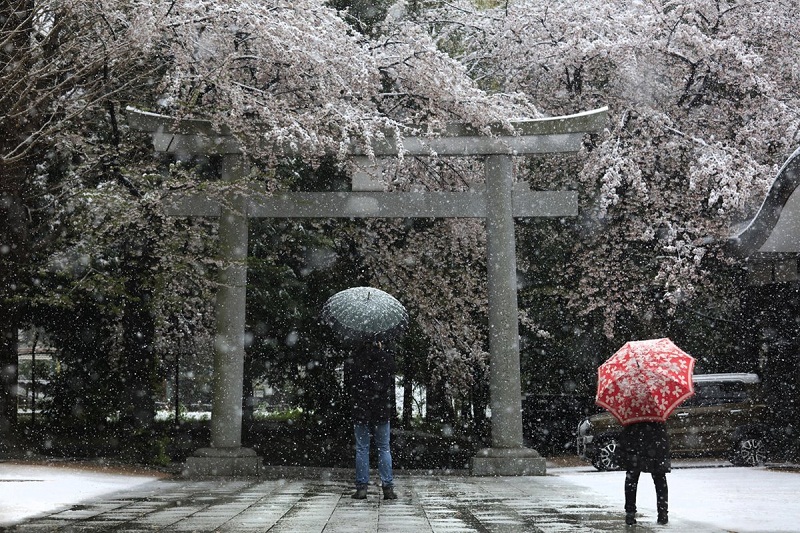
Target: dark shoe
column 360, row 494
column 388, row 493
column 662, row 518
column 630, row 519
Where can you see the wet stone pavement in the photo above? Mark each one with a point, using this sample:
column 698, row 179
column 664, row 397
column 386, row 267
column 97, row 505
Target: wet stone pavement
column 426, row 503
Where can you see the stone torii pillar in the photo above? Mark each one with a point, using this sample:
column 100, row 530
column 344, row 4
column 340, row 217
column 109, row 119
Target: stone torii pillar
column 498, row 204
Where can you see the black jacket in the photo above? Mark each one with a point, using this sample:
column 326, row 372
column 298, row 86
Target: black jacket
column 645, row 447
column 369, row 380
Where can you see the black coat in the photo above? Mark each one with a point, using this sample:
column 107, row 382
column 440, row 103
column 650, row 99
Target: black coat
column 369, row 381
column 644, row 446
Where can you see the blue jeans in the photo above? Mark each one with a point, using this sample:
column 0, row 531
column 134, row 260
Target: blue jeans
column 380, row 431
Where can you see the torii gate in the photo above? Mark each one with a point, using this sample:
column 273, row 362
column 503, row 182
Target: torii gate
column 498, row 204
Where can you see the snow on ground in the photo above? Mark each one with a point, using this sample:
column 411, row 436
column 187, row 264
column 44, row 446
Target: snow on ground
column 28, row 490
column 703, row 495
column 731, row 498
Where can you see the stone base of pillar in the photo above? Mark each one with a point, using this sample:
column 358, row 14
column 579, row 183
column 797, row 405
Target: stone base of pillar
column 223, row 462
column 507, row 462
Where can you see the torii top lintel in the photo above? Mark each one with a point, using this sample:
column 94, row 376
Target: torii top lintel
column 528, row 136
column 536, row 136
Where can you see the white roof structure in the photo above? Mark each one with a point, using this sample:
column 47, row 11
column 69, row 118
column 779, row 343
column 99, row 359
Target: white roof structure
column 776, row 226
column 770, row 242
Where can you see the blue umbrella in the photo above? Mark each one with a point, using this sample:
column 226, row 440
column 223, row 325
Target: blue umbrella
column 365, row 313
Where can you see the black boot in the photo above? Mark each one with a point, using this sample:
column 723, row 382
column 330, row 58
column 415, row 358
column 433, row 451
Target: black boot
column 631, row 483
column 388, row 493
column 662, row 498
column 360, row 494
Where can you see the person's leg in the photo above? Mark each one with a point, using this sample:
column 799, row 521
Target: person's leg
column 362, row 436
column 662, row 497
column 631, row 485
column 382, row 437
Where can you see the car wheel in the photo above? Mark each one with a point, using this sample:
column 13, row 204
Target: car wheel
column 606, row 458
column 750, row 451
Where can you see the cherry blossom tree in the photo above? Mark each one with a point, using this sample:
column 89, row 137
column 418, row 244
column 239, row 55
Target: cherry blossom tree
column 62, row 62
column 703, row 112
column 690, row 148
column 285, row 77
column 297, row 79
column 703, row 99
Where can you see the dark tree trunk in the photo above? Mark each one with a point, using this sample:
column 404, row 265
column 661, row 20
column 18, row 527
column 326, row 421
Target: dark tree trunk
column 13, row 263
column 248, row 399
column 139, row 367
column 15, row 31
column 408, row 400
column 8, row 377
column 139, row 372
column 438, row 409
column 480, row 401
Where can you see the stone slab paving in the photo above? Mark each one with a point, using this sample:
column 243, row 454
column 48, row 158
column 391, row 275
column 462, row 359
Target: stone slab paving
column 426, row 504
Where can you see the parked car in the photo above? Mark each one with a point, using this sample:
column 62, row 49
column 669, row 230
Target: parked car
column 724, row 418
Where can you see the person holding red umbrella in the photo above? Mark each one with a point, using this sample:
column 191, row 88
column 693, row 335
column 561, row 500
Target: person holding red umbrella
column 644, row 447
column 641, row 385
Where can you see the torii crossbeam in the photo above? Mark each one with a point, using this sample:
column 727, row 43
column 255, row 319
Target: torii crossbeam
column 499, row 203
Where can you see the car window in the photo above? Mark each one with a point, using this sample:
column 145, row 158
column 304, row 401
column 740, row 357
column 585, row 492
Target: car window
column 717, row 393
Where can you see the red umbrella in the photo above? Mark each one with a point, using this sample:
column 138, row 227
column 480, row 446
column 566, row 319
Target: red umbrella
column 645, row 381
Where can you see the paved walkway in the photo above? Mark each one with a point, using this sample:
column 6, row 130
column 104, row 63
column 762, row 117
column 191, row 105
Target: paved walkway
column 319, row 501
